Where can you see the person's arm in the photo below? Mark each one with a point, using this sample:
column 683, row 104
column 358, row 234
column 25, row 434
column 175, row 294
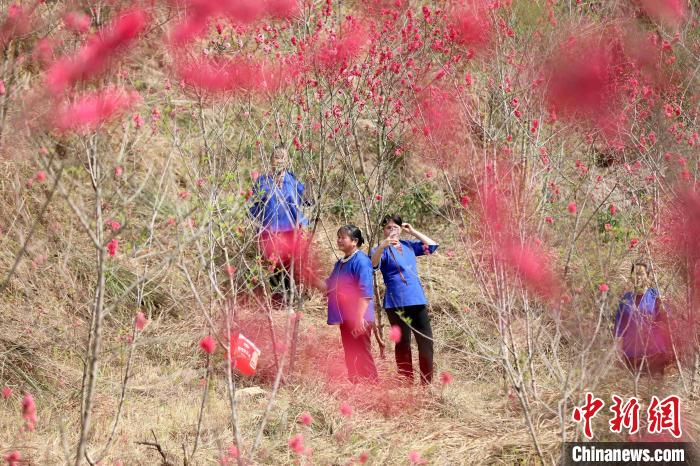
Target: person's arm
column 295, row 193
column 617, row 330
column 360, row 324
column 408, row 228
column 377, row 256
column 299, row 190
column 304, row 198
column 424, row 245
column 366, row 287
column 662, row 317
column 320, row 284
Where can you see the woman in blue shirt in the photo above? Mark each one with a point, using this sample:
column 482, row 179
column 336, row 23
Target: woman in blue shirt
column 350, row 292
column 277, row 201
column 404, row 299
column 641, row 324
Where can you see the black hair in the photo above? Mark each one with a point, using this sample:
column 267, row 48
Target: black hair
column 641, row 263
column 353, row 232
column 396, row 218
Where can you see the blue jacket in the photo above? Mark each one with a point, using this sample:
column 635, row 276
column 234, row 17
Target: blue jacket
column 639, row 327
column 278, row 208
column 347, row 285
column 400, row 272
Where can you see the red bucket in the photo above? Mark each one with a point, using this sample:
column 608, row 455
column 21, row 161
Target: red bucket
column 245, row 354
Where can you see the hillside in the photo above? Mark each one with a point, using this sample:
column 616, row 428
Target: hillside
column 547, row 147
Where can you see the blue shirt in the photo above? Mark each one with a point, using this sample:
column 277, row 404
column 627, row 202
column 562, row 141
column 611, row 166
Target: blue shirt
column 278, row 208
column 639, row 326
column 350, row 282
column 400, row 272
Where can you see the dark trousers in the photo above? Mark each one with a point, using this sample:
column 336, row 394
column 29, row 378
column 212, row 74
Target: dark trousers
column 654, row 365
column 419, row 320
column 281, row 284
column 358, row 355
column 282, row 249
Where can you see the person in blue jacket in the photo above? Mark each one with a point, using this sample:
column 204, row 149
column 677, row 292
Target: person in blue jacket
column 350, row 292
column 278, row 198
column 404, row 299
column 641, row 324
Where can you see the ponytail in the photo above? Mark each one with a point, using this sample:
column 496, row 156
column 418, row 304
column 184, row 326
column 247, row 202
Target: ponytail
column 353, row 232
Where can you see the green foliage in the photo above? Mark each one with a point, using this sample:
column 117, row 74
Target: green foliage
column 529, row 14
column 615, row 231
column 419, row 204
column 344, row 208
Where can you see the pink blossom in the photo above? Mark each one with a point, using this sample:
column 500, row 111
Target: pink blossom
column 415, row 458
column 233, row 451
column 532, row 265
column 586, row 90
column 17, row 22
column 337, row 52
column 446, row 378
column 29, row 411
column 2, row 87
column 6, row 392
column 114, row 225
column 13, row 458
column 112, row 247
column 234, row 75
column 40, row 176
column 238, row 11
column 77, row 21
column 296, row 444
column 93, row 58
column 671, row 12
column 208, row 344
column 138, row 120
column 306, row 419
column 346, row 410
column 395, row 333
column 571, row 207
column 43, row 51
column 140, row 321
column 470, row 27
column 89, row 111
column 603, row 287
column 118, row 171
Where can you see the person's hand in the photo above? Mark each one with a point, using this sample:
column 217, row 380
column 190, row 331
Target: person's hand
column 408, row 228
column 320, row 285
column 618, row 344
column 360, row 328
column 390, row 241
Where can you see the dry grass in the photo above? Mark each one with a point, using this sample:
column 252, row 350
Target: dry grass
column 466, row 422
column 472, row 421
